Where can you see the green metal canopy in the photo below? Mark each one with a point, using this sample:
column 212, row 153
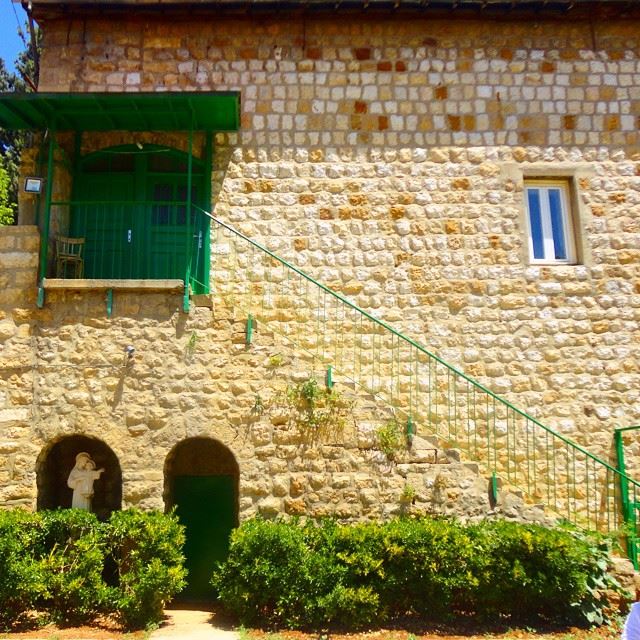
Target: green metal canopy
column 206, row 111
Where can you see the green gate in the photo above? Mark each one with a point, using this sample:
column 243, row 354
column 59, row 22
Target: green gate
column 206, row 506
column 131, row 208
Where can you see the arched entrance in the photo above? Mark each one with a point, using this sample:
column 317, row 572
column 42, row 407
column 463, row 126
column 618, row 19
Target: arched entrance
column 56, row 461
column 201, row 479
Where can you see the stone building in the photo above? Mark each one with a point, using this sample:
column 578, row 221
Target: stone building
column 451, row 194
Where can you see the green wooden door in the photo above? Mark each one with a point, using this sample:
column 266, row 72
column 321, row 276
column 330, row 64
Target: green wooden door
column 170, row 233
column 114, row 236
column 206, row 506
column 134, row 216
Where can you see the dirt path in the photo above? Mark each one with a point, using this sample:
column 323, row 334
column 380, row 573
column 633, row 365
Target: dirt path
column 202, row 623
column 192, row 624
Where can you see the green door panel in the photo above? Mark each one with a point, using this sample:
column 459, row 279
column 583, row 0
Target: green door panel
column 168, row 225
column 109, row 226
column 206, row 506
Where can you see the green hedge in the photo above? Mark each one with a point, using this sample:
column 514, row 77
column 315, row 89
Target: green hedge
column 286, row 573
column 66, row 567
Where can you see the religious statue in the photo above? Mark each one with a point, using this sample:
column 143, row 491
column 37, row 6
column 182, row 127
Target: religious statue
column 81, row 480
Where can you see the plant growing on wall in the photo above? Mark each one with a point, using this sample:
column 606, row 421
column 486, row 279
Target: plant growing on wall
column 316, row 412
column 190, row 347
column 275, row 361
column 391, row 440
column 258, row 407
column 6, row 210
column 408, row 494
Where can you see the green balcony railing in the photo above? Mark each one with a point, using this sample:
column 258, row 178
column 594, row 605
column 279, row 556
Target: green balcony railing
column 428, row 394
column 124, row 240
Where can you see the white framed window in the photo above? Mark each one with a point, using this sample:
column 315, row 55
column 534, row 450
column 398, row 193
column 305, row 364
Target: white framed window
column 551, row 231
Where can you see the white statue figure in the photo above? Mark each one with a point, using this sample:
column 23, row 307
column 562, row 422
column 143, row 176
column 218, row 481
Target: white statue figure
column 81, row 480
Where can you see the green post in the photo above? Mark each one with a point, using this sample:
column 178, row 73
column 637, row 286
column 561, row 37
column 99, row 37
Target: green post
column 189, row 239
column 410, row 429
column 44, row 242
column 328, row 379
column 627, row 509
column 494, row 487
column 624, row 485
column 109, row 302
column 208, row 204
column 249, row 329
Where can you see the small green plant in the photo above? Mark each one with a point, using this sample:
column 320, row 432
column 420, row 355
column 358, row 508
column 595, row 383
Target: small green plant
column 275, row 361
column 408, row 494
column 316, row 412
column 191, row 345
column 391, row 440
column 258, row 407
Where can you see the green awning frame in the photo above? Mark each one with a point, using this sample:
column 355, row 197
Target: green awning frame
column 211, row 111
column 163, row 111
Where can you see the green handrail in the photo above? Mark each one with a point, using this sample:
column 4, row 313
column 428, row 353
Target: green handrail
column 629, row 506
column 428, row 391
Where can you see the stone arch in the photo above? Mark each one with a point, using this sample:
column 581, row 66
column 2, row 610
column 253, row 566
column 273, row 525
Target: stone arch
column 201, row 481
column 55, row 463
column 198, row 456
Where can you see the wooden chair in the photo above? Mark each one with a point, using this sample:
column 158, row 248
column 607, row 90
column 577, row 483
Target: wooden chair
column 69, row 254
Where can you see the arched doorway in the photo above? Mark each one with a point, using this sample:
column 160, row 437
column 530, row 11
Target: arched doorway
column 56, row 461
column 201, row 479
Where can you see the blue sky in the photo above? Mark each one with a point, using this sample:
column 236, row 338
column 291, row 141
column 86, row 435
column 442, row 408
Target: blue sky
column 10, row 43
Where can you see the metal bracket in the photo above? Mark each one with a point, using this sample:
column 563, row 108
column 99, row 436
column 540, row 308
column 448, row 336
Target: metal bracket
column 249, row 329
column 410, row 430
column 109, row 302
column 185, row 298
column 328, row 379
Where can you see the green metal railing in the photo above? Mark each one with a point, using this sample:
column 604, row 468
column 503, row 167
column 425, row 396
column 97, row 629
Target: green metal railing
column 628, row 496
column 430, row 395
column 136, row 240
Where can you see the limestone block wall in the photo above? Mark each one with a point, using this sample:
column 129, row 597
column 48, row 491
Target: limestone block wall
column 387, row 158
column 65, row 372
column 18, row 264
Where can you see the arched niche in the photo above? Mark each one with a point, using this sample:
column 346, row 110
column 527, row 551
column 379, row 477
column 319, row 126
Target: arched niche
column 201, row 480
column 55, row 463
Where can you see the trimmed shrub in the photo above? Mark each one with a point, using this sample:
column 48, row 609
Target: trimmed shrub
column 545, row 571
column 284, row 573
column 53, row 562
column 428, row 566
column 20, row 578
column 266, row 577
column 147, row 550
column 71, row 553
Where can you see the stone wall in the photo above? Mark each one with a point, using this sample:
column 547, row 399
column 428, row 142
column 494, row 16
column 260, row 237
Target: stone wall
column 387, row 156
column 65, row 372
column 18, row 272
